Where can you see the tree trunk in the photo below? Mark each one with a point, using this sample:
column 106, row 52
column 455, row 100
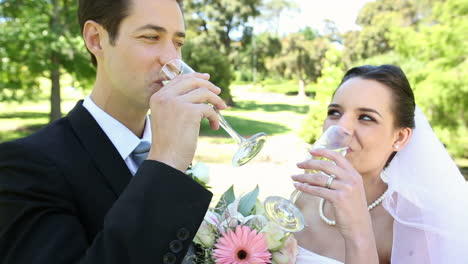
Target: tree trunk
column 55, row 100
column 229, row 101
column 301, row 92
column 55, row 108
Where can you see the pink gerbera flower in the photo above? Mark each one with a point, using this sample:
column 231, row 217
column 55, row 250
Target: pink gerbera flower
column 244, row 246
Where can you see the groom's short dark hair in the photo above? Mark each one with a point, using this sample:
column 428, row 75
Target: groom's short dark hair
column 108, row 13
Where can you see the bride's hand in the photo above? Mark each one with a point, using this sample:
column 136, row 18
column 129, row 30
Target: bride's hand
column 346, row 192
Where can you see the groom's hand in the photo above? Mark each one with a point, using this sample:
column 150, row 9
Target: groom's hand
column 176, row 112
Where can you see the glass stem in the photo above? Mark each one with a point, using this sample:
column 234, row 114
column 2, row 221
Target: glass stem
column 295, row 195
column 225, row 125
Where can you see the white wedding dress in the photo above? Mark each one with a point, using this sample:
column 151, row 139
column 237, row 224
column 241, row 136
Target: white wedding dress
column 305, row 256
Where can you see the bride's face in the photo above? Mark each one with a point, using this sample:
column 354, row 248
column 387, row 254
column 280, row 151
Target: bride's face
column 364, row 107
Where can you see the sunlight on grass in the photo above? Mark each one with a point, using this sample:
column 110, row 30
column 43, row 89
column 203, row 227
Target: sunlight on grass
column 22, row 119
column 270, row 113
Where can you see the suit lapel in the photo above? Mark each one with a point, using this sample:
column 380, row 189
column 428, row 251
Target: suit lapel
column 101, row 150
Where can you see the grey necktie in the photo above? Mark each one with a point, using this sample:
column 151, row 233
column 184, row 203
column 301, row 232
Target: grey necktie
column 140, row 153
column 190, row 257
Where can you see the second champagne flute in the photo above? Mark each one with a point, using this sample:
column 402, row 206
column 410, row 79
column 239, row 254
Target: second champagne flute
column 248, row 148
column 283, row 211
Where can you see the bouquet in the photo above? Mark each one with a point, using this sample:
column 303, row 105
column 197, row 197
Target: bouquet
column 237, row 231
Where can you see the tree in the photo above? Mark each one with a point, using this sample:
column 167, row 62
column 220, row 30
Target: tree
column 214, row 23
column 440, row 82
column 218, row 19
column 376, row 19
column 40, row 39
column 203, row 58
column 330, row 78
column 249, row 60
column 301, row 58
column 350, row 41
column 331, row 31
column 273, row 9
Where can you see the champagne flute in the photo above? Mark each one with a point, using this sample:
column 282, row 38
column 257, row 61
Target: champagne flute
column 248, row 148
column 283, row 211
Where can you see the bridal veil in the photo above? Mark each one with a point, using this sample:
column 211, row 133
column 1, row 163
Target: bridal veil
column 428, row 199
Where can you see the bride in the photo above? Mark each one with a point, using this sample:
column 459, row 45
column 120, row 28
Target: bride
column 397, row 196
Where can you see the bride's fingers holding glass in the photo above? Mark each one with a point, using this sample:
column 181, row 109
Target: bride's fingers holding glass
column 324, row 166
column 316, row 190
column 319, row 179
column 346, row 198
column 332, row 155
column 347, row 171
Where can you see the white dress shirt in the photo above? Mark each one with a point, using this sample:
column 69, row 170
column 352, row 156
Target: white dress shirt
column 123, row 139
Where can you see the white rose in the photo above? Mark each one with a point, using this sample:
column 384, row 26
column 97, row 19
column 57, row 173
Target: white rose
column 205, row 235
column 279, row 258
column 201, row 171
column 273, row 236
column 259, row 208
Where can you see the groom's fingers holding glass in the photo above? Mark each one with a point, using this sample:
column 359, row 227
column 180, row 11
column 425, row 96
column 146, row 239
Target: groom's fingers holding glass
column 204, row 95
column 185, row 83
column 208, row 112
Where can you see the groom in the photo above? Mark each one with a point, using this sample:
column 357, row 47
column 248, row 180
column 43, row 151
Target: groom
column 75, row 192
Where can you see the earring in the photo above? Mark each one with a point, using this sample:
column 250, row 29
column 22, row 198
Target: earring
column 384, row 176
column 396, row 146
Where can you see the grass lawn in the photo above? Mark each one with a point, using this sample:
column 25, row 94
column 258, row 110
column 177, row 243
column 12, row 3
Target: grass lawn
column 250, row 117
column 274, row 114
column 258, row 112
column 21, row 119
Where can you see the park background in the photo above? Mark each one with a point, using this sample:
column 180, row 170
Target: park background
column 278, row 61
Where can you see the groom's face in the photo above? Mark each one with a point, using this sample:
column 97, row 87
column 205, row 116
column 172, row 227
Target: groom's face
column 152, row 34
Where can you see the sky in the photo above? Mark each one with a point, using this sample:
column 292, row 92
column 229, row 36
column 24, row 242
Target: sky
column 313, row 12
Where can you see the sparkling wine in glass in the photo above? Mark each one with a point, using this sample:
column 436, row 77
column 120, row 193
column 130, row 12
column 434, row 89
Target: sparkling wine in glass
column 248, row 148
column 283, row 211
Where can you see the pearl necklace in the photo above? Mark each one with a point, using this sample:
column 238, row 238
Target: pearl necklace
column 333, row 222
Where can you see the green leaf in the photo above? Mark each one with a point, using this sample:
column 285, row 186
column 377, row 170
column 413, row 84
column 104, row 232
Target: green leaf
column 202, row 183
column 227, row 198
column 247, row 202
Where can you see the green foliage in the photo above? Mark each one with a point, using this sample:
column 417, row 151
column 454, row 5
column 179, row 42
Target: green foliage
column 249, row 59
column 227, row 198
column 300, row 59
column 38, row 37
column 440, row 78
column 248, row 201
column 273, row 9
column 215, row 20
column 331, row 76
column 309, row 33
column 377, row 19
column 203, row 58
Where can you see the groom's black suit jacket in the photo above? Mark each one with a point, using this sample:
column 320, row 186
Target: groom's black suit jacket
column 66, row 196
